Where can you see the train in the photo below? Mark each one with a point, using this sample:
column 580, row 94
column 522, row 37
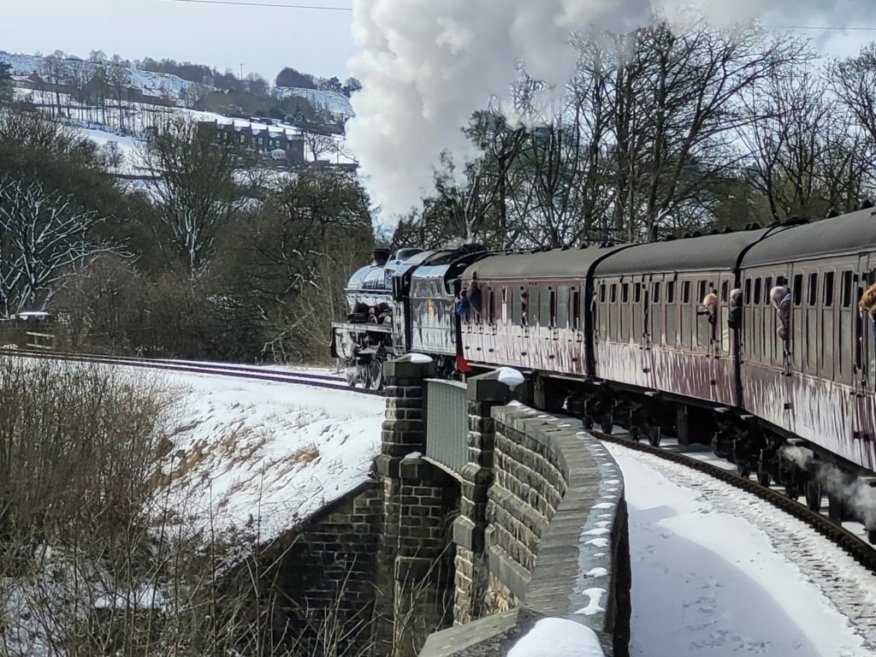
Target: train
column 676, row 337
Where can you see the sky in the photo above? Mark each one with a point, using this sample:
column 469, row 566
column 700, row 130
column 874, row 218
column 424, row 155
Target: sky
column 263, row 39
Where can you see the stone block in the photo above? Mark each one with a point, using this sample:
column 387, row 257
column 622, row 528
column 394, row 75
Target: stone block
column 488, row 388
column 408, row 368
column 469, row 534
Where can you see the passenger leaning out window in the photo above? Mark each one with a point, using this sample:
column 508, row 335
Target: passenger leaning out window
column 867, row 304
column 781, row 300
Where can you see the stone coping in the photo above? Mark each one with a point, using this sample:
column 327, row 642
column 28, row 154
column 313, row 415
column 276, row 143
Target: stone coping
column 575, row 568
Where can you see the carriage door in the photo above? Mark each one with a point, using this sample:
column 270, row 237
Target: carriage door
column 647, row 339
column 865, row 361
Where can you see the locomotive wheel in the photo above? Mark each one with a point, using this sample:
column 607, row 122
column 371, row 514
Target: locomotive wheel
column 763, row 478
column 588, row 423
column 792, row 491
column 635, row 434
column 655, row 434
column 871, row 536
column 607, row 423
column 813, row 494
column 744, row 470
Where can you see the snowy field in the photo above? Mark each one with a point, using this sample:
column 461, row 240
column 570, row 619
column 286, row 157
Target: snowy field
column 253, row 453
column 719, row 572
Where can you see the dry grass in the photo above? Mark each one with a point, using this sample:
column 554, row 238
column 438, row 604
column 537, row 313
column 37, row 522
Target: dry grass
column 97, row 557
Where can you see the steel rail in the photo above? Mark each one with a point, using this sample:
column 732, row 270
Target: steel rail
column 857, row 548
column 189, row 367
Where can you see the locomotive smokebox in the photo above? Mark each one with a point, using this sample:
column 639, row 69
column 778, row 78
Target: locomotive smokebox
column 380, row 256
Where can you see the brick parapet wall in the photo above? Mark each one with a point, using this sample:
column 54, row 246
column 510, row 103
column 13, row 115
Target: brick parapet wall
column 558, row 527
column 555, row 540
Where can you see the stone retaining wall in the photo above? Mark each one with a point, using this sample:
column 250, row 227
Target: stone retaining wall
column 542, row 532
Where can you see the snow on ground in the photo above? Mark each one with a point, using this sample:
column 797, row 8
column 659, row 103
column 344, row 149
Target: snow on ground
column 719, row 572
column 264, row 455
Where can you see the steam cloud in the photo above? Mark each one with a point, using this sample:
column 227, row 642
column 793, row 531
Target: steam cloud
column 426, row 65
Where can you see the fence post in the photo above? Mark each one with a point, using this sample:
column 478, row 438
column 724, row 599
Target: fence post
column 471, row 572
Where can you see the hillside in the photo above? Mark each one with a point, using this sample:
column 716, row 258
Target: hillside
column 115, row 104
column 162, row 88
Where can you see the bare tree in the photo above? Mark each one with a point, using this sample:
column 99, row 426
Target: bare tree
column 677, row 111
column 196, row 187
column 807, row 156
column 40, row 235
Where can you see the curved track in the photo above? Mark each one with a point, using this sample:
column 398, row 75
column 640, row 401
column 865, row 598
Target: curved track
column 860, row 550
column 315, row 380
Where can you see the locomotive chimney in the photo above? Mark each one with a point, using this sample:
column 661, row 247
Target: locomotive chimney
column 380, row 256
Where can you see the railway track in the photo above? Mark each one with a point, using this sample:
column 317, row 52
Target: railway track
column 312, row 379
column 856, row 547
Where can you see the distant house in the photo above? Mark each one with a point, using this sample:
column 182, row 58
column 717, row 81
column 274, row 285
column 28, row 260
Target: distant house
column 266, row 140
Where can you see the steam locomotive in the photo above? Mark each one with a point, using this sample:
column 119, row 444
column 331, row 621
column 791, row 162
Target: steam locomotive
column 620, row 334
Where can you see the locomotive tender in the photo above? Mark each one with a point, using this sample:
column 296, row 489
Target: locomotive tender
column 619, row 335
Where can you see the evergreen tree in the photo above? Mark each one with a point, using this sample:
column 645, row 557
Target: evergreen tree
column 5, row 82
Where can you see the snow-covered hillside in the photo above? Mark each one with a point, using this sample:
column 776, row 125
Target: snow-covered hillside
column 255, row 453
column 121, row 128
column 333, row 102
column 180, row 92
column 70, row 70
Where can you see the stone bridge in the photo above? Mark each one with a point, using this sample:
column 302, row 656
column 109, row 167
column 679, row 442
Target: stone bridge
column 533, row 505
column 484, row 516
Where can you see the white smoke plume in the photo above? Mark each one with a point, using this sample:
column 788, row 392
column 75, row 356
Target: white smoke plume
column 427, row 65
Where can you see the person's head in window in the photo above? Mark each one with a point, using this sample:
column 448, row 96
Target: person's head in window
column 779, row 294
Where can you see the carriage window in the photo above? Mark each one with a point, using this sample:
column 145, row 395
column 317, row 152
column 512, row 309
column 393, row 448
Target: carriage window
column 625, row 292
column 847, row 289
column 504, row 295
column 531, row 302
column 637, row 293
column 563, row 306
column 602, row 293
column 548, row 303
column 828, row 289
column 670, row 292
column 491, row 307
column 767, row 286
column 685, row 292
column 757, row 288
column 725, row 288
column 748, row 291
column 798, row 289
column 613, row 292
column 517, row 309
column 655, row 293
column 813, row 289
column 576, row 307
column 702, row 294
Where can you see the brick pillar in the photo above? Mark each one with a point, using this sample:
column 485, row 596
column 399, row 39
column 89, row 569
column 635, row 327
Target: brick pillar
column 404, row 432
column 472, row 570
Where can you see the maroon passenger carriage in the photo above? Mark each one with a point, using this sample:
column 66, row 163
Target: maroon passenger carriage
column 819, row 386
column 621, row 334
